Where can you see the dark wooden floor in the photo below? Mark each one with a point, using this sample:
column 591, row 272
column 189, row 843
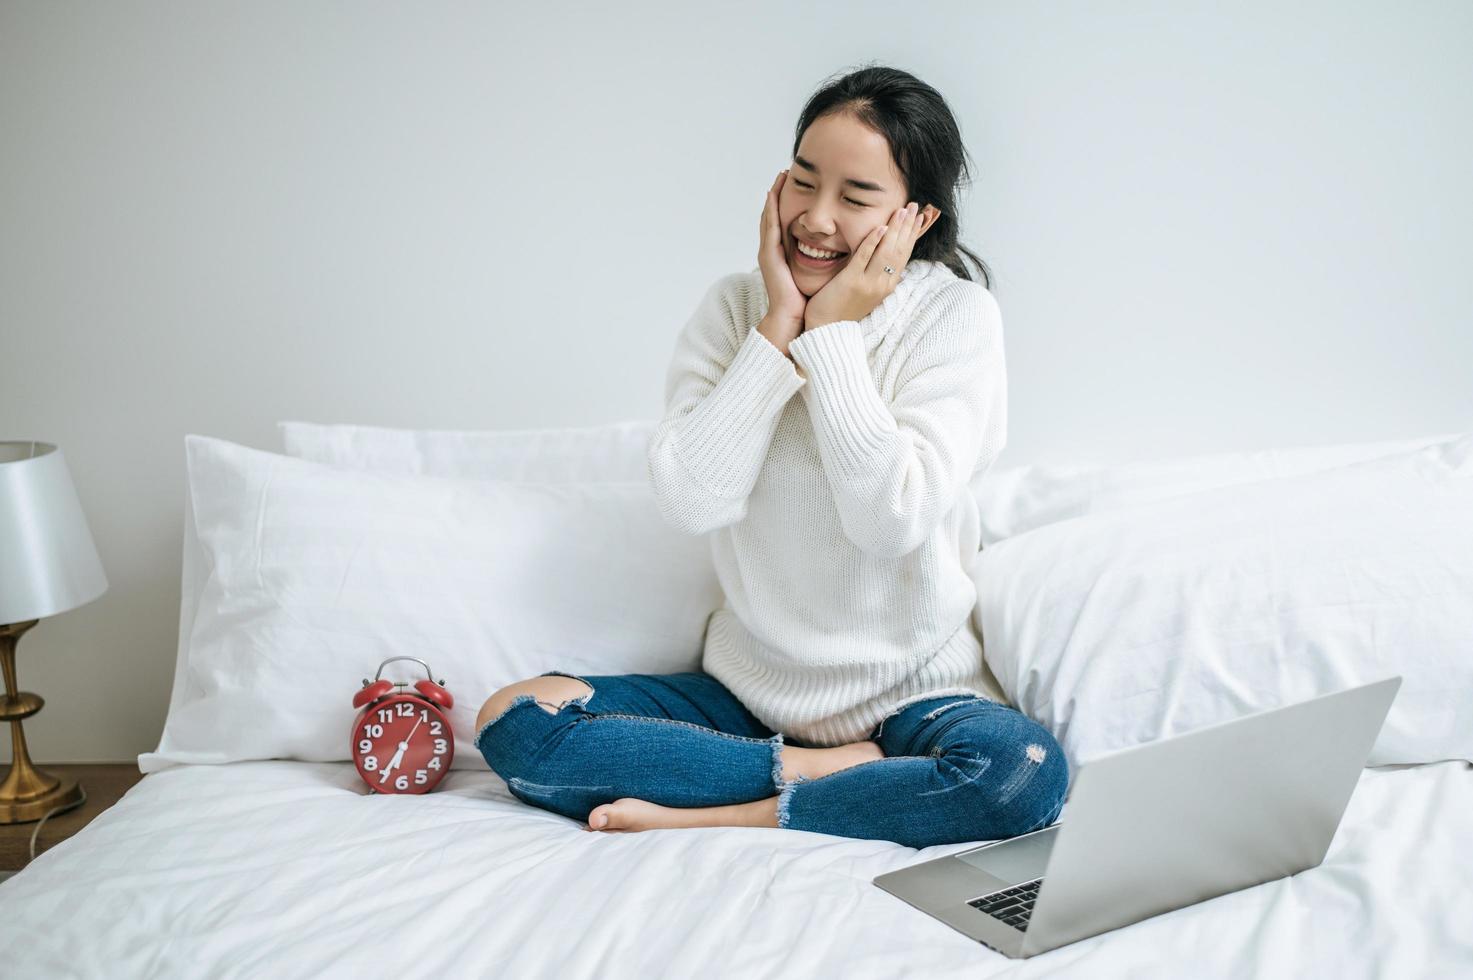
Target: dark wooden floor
column 104, row 783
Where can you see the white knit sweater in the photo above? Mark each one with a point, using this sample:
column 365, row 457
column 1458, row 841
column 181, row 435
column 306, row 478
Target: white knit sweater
column 841, row 521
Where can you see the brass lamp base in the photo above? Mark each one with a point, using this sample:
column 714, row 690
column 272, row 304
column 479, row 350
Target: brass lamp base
column 64, row 794
column 27, row 793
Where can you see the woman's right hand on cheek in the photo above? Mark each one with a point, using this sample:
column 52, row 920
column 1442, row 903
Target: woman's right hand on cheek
column 785, row 306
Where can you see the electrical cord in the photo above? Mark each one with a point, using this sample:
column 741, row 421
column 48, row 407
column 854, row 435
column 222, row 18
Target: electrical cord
column 54, row 810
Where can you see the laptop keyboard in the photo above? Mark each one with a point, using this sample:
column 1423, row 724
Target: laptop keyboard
column 1011, row 907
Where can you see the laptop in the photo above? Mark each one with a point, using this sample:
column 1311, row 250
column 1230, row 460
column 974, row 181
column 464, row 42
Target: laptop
column 1161, row 826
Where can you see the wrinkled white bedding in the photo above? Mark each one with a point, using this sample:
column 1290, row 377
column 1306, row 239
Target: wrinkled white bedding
column 288, row 869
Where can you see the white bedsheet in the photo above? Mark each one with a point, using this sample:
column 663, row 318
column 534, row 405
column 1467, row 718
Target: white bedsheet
column 287, row 869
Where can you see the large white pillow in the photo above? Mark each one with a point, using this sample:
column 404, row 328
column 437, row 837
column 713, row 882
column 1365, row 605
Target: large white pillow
column 600, row 454
column 1014, row 500
column 312, row 575
column 615, row 452
column 1129, row 626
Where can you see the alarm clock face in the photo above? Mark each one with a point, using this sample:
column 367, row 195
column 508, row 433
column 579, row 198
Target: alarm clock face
column 402, row 744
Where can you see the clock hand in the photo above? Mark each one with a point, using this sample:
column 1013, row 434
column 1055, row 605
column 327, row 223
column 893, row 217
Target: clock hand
column 399, row 755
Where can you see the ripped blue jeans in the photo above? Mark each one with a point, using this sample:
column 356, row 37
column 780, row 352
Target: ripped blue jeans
column 956, row 768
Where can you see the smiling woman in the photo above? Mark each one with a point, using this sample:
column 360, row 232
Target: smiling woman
column 867, row 145
column 829, row 213
column 843, row 667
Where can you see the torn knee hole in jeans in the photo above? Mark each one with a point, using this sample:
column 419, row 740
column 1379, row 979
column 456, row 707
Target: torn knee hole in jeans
column 547, row 706
column 553, row 709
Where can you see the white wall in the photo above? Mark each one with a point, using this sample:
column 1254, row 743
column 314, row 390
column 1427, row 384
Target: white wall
column 1239, row 226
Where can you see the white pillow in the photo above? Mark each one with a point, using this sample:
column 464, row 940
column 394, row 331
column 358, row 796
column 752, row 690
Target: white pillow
column 1129, row 626
column 1015, row 500
column 606, row 453
column 313, row 575
column 601, row 453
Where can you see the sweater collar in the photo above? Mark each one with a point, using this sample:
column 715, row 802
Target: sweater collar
column 897, row 303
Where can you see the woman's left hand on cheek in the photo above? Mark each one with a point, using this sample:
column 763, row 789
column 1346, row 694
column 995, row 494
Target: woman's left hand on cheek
column 863, row 283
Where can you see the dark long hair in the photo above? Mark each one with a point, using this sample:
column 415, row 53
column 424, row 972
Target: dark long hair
column 924, row 141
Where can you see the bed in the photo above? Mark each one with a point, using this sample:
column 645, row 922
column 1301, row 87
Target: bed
column 286, row 869
column 253, row 848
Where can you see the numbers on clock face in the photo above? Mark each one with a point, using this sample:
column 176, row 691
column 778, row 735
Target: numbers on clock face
column 397, row 737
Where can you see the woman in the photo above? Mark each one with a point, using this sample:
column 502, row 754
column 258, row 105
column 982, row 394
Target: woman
column 843, row 689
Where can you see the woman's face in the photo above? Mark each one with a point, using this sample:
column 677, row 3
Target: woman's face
column 842, row 185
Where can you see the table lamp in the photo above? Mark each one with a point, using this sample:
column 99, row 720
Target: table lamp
column 48, row 565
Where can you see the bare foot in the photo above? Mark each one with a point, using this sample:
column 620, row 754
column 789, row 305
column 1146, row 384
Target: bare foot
column 627, row 815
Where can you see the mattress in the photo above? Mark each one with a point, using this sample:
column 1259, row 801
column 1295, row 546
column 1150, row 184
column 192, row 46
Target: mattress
column 290, row 869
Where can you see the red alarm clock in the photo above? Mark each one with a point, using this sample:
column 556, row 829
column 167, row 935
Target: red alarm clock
column 402, row 742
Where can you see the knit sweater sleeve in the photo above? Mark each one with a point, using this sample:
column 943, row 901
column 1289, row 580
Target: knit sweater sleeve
column 724, row 393
column 896, row 467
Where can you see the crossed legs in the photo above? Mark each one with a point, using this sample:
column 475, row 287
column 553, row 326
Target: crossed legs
column 629, row 814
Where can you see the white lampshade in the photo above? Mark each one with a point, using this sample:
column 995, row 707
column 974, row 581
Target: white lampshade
column 48, row 563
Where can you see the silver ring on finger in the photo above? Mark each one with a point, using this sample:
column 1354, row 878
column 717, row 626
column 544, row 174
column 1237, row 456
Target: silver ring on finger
column 889, row 271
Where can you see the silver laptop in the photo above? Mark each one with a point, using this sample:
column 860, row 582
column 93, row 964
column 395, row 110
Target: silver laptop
column 1163, row 825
